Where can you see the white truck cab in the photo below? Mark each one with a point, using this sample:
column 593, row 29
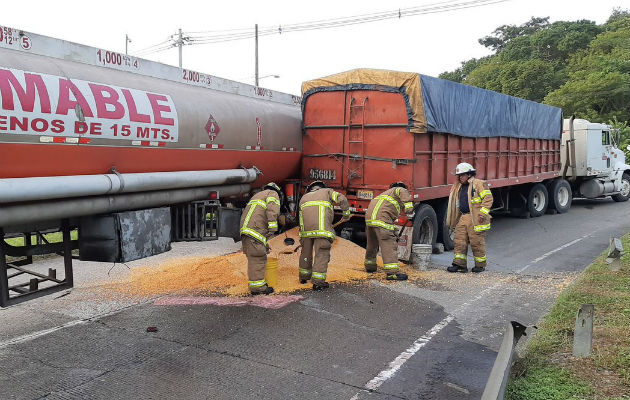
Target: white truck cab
column 592, row 161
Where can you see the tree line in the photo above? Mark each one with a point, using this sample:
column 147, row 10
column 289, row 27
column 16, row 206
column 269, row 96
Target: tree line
column 579, row 66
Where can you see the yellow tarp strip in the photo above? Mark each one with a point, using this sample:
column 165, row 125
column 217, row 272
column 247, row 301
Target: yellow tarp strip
column 410, row 81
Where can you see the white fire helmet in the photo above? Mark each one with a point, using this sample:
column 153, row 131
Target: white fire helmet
column 464, row 168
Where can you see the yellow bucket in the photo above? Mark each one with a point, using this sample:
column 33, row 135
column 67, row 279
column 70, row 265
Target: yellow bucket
column 271, row 272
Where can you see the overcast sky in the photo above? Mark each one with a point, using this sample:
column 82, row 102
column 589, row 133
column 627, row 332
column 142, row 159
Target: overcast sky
column 428, row 44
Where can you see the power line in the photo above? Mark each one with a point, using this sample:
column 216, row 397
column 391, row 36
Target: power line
column 219, row 36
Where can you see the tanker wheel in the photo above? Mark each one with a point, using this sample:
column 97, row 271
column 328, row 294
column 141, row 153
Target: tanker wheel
column 560, row 195
column 425, row 225
column 624, row 192
column 537, row 200
column 444, row 234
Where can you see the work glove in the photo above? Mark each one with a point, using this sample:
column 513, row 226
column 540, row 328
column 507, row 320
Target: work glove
column 482, row 219
column 411, row 215
column 282, row 220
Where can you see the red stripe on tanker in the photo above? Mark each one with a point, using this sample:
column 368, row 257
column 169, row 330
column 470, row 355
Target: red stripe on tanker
column 41, row 104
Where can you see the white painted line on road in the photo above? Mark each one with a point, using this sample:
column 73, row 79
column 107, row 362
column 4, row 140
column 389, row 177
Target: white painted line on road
column 406, row 355
column 547, row 254
column 35, row 335
column 398, row 362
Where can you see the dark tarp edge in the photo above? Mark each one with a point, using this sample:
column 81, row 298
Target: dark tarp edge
column 464, row 110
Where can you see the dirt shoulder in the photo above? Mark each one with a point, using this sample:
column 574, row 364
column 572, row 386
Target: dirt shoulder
column 547, row 369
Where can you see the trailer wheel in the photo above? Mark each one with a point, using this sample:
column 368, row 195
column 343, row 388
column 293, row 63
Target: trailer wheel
column 425, row 225
column 537, row 200
column 624, row 193
column 560, row 195
column 444, row 235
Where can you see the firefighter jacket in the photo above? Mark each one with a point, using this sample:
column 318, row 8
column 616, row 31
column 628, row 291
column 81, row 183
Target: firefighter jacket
column 479, row 201
column 385, row 208
column 317, row 213
column 260, row 217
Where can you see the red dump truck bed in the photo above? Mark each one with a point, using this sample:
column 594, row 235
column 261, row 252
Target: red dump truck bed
column 359, row 138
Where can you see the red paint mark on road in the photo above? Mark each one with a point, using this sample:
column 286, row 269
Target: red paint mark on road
column 272, row 302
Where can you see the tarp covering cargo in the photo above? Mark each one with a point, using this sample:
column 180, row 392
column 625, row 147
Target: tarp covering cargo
column 437, row 105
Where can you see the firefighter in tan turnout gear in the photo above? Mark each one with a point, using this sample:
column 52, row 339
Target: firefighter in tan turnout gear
column 316, row 231
column 258, row 222
column 469, row 214
column 383, row 210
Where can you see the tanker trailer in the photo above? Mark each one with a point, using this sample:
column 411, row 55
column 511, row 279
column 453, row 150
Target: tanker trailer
column 86, row 132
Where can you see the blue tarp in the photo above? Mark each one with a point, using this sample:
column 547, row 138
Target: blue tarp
column 465, row 110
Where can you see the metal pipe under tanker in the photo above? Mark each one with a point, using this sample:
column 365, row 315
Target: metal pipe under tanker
column 66, row 111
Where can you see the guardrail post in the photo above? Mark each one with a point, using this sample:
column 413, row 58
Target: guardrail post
column 495, row 387
column 615, row 251
column 583, row 334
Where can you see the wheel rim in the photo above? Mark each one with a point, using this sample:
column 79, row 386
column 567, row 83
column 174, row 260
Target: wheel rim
column 539, row 200
column 425, row 235
column 563, row 197
column 625, row 188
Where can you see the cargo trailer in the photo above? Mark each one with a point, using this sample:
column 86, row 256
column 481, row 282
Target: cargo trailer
column 364, row 129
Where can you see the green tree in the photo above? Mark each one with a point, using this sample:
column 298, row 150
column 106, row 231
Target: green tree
column 460, row 75
column 624, row 135
column 505, row 33
column 598, row 85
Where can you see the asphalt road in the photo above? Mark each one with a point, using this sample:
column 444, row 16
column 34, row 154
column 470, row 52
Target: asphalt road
column 431, row 339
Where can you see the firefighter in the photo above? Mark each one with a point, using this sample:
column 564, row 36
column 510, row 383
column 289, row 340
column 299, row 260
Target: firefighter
column 258, row 222
column 381, row 214
column 468, row 213
column 316, row 231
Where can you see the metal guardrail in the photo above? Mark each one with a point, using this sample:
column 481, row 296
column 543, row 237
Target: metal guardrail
column 495, row 387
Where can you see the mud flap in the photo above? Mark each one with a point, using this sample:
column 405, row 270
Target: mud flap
column 229, row 223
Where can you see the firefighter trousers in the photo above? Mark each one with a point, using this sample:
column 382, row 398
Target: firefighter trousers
column 256, row 253
column 386, row 240
column 314, row 267
column 465, row 234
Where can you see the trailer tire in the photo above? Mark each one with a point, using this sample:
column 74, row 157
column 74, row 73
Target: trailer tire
column 443, row 235
column 537, row 200
column 425, row 225
column 560, row 195
column 625, row 189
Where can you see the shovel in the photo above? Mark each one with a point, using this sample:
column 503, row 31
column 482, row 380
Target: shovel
column 402, row 228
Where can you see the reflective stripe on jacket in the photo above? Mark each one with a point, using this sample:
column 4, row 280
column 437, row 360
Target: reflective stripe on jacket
column 260, row 216
column 317, row 213
column 385, row 208
column 479, row 200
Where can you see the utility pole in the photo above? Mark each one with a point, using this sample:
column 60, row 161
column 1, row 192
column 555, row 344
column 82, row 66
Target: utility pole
column 180, row 43
column 256, row 55
column 127, row 41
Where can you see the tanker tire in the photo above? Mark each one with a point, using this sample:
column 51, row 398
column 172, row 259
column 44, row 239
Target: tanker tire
column 537, row 200
column 560, row 195
column 425, row 225
column 443, row 235
column 621, row 197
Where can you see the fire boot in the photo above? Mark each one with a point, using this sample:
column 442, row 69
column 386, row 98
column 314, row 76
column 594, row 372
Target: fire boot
column 320, row 286
column 457, row 268
column 478, row 269
column 398, row 276
column 268, row 290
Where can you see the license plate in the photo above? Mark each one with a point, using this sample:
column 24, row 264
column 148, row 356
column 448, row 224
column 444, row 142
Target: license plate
column 365, row 194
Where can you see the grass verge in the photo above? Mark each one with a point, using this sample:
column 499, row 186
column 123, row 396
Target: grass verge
column 54, row 237
column 548, row 371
